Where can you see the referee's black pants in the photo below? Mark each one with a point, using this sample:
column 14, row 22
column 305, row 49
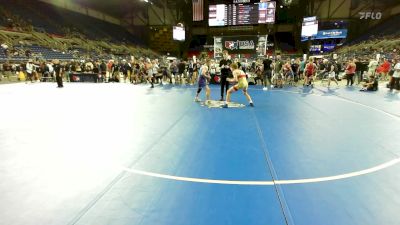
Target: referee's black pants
column 224, row 84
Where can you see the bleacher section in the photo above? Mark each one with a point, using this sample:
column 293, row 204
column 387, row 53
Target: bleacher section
column 384, row 37
column 61, row 21
column 161, row 38
column 56, row 33
column 49, row 53
column 388, row 27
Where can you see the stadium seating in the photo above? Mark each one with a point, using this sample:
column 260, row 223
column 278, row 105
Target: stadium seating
column 59, row 21
column 62, row 34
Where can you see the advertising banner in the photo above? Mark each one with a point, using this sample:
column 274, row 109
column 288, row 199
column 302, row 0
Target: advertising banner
column 328, row 34
column 328, row 47
column 240, row 44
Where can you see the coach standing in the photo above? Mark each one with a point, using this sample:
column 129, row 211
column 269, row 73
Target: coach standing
column 224, row 64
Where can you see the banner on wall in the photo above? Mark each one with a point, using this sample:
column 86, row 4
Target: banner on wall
column 255, row 45
column 240, row 44
column 328, row 34
column 328, row 47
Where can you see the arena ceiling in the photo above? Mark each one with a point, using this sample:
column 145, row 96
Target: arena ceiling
column 119, row 8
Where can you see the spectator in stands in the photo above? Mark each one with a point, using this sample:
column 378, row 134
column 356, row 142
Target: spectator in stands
column 5, row 49
column 28, row 53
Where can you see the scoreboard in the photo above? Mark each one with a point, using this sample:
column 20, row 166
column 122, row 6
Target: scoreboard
column 242, row 14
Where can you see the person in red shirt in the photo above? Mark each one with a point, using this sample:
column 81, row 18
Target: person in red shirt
column 350, row 71
column 384, row 69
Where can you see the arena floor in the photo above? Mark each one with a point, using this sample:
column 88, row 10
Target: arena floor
column 94, row 154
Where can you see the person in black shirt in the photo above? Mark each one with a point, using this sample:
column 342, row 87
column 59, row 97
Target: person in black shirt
column 181, row 70
column 267, row 72
column 371, row 85
column 224, row 64
column 58, row 71
column 115, row 74
column 103, row 70
column 125, row 69
column 359, row 72
column 295, row 68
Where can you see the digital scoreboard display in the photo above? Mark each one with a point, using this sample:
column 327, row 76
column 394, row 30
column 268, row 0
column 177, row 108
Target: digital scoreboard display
column 309, row 27
column 178, row 33
column 242, row 14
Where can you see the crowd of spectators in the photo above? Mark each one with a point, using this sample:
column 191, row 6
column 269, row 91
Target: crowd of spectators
column 273, row 71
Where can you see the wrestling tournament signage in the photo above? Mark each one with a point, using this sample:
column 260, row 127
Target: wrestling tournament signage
column 240, row 44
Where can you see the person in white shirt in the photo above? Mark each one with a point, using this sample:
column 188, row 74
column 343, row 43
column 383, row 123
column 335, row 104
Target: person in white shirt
column 149, row 70
column 29, row 71
column 157, row 76
column 373, row 64
column 394, row 83
column 332, row 75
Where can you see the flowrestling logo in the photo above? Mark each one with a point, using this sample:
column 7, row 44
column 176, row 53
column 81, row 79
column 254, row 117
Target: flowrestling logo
column 240, row 45
column 370, row 15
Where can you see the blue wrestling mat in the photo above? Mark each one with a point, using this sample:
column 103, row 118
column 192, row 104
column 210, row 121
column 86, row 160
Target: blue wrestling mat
column 301, row 156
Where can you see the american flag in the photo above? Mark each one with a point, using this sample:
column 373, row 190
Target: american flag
column 198, row 8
